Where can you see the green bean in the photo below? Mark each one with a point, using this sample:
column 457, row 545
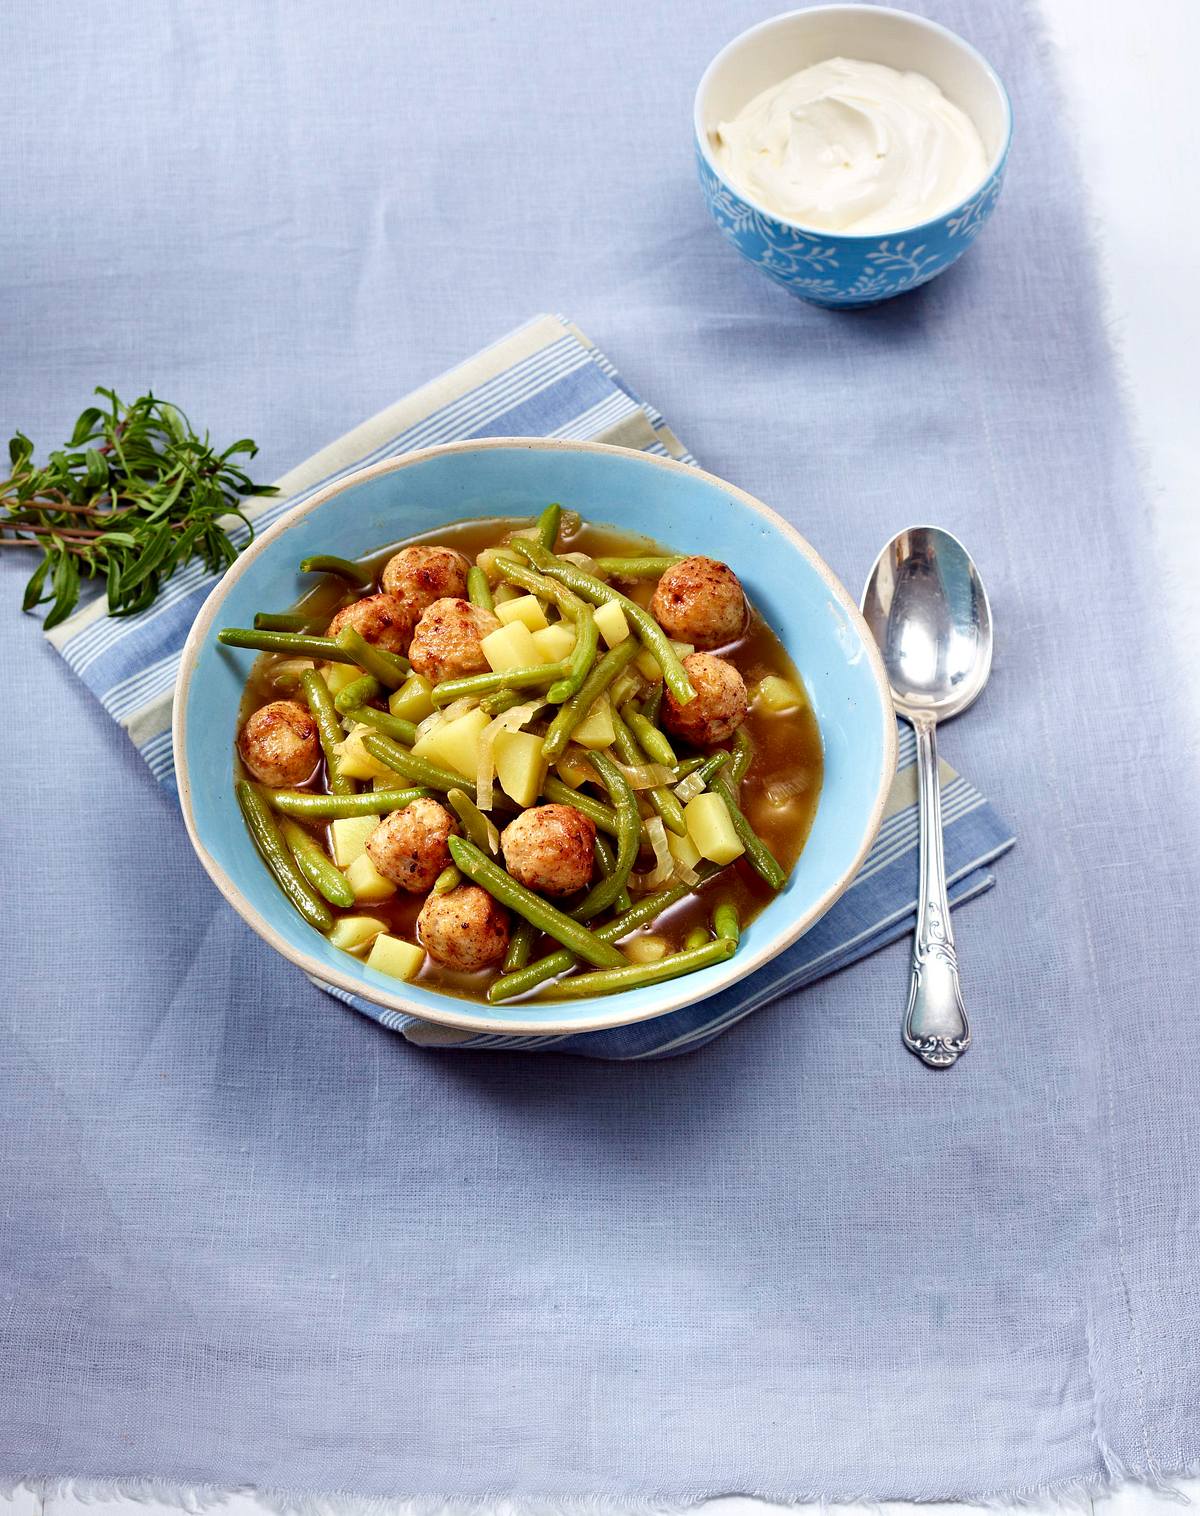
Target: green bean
column 697, row 937
column 538, row 912
column 637, row 568
column 284, row 621
column 520, row 945
column 583, row 656
column 506, row 679
column 576, row 708
column 758, row 855
column 315, row 864
column 449, row 879
column 593, row 589
column 418, row 770
column 647, row 908
column 312, row 807
column 329, row 563
column 525, row 578
column 688, row 766
column 500, row 701
column 479, row 591
column 478, row 828
column 391, row 726
column 633, row 975
column 320, row 703
column 725, row 921
column 389, row 668
column 711, row 766
column 743, row 756
column 547, row 526
column 653, row 702
column 629, row 835
column 297, row 644
column 603, row 816
column 664, row 802
column 606, row 862
column 654, row 744
column 270, row 844
column 356, row 693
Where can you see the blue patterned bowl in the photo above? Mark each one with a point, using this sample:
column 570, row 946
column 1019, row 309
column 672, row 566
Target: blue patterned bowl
column 832, row 268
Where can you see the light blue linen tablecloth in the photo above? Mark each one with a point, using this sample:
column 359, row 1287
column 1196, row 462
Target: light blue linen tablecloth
column 246, row 1240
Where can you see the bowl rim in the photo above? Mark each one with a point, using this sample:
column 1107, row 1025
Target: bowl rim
column 460, row 1013
column 995, row 163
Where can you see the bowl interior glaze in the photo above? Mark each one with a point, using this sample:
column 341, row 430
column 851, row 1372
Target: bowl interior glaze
column 683, row 507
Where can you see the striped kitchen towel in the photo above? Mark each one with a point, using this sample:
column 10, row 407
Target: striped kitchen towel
column 545, row 379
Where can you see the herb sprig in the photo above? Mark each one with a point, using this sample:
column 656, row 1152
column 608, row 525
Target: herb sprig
column 133, row 496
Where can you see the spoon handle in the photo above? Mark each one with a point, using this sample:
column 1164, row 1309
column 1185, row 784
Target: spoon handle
column 935, row 1024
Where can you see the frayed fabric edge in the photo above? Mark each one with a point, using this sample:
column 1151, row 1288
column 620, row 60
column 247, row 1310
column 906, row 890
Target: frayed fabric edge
column 1065, row 1495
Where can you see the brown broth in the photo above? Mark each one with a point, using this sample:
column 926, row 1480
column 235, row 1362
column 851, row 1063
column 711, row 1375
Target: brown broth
column 787, row 747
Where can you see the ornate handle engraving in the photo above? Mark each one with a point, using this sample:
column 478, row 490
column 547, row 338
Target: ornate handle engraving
column 935, row 1023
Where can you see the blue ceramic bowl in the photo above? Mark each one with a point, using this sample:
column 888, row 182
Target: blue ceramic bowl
column 796, row 592
column 831, row 268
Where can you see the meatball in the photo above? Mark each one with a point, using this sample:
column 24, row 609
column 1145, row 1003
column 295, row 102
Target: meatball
column 280, row 744
column 446, row 643
column 465, row 929
column 719, row 707
column 549, row 849
column 700, row 601
column 383, row 620
column 420, row 575
column 409, row 847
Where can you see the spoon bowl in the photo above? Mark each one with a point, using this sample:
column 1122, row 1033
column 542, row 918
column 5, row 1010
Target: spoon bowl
column 928, row 611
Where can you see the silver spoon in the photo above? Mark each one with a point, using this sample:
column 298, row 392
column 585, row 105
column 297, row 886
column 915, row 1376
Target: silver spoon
column 928, row 611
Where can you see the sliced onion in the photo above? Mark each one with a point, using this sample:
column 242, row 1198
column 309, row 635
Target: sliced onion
column 664, row 862
column 583, row 561
column 686, row 874
column 687, row 789
column 485, row 771
column 434, row 719
column 781, row 791
column 286, row 675
column 460, row 707
column 645, row 776
column 573, row 766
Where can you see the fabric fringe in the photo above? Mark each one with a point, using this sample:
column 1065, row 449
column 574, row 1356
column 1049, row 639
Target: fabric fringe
column 1061, row 1498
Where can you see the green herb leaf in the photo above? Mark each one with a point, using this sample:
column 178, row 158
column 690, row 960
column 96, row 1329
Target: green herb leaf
column 134, row 495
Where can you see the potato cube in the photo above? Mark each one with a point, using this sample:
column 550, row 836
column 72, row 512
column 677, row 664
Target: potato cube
column 356, row 763
column 596, row 730
column 454, row 744
column 512, row 647
column 367, row 882
column 647, row 664
column 519, row 765
column 394, row 956
column 683, row 850
column 491, row 557
column 646, row 949
column 352, row 933
column 413, row 700
column 526, row 608
column 777, row 694
column 711, row 830
column 338, row 675
column 350, row 838
column 611, row 623
column 555, row 642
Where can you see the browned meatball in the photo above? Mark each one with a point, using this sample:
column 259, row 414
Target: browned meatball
column 446, row 643
column 465, row 929
column 409, row 847
column 382, row 620
column 720, row 704
column 550, row 848
column 420, row 575
column 700, row 601
column 280, row 744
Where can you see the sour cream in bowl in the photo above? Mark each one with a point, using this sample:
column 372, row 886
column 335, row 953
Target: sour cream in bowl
column 851, row 152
